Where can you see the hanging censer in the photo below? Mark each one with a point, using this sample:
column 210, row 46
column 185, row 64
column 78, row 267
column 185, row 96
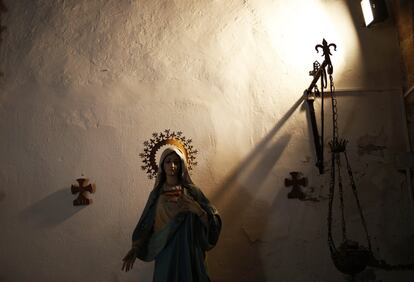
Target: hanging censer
column 349, row 257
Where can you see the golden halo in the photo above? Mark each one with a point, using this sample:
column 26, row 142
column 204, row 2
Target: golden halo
column 158, row 140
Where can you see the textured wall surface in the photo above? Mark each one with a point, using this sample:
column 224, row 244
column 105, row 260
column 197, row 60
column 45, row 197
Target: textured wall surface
column 86, row 83
column 404, row 18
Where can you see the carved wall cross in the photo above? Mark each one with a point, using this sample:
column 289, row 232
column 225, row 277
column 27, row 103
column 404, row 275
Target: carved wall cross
column 296, row 182
column 82, row 199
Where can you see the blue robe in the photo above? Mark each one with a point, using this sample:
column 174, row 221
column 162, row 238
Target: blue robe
column 179, row 247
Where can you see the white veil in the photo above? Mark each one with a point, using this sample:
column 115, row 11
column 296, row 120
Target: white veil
column 184, row 176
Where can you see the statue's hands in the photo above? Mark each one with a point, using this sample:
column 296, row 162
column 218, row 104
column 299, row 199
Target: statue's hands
column 186, row 203
column 129, row 260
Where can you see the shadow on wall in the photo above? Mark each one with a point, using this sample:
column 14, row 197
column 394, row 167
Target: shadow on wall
column 238, row 257
column 43, row 213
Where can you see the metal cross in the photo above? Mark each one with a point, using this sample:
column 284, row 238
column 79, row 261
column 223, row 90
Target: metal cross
column 296, row 182
column 82, row 199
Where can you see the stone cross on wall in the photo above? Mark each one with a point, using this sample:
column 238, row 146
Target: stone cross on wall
column 296, row 182
column 82, row 199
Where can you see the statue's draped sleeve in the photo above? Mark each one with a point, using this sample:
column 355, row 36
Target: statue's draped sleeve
column 143, row 231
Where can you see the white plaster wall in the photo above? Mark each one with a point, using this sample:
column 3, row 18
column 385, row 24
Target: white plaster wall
column 86, row 82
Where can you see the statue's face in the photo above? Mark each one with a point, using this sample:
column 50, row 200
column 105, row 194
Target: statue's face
column 172, row 164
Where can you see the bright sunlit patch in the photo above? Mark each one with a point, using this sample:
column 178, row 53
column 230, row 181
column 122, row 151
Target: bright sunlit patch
column 295, row 29
column 367, row 11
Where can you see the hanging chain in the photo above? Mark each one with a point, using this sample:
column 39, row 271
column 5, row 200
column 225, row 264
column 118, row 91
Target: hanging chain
column 354, row 190
column 341, row 197
column 334, row 107
column 334, row 156
column 331, row 242
column 322, row 137
column 335, row 149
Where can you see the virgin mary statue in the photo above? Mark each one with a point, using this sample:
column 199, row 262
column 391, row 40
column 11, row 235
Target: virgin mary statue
column 177, row 227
